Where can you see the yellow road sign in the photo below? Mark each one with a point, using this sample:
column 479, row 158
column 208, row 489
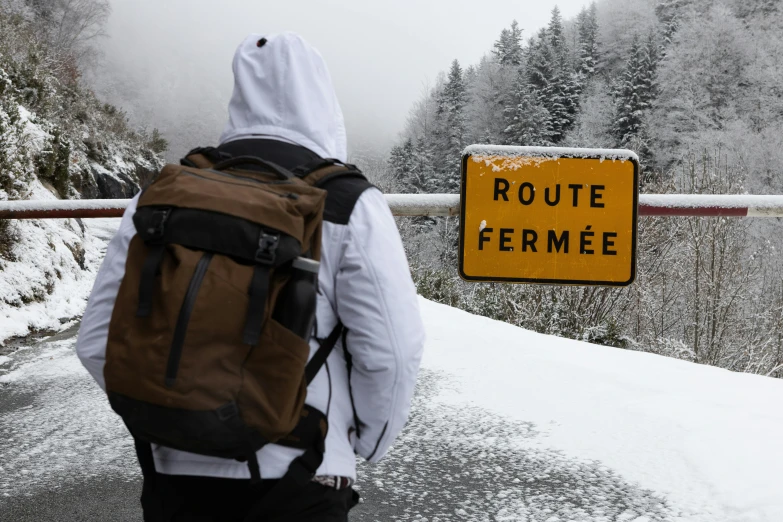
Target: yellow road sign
column 549, row 215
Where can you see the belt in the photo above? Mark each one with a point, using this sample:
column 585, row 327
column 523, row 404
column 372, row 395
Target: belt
column 331, row 481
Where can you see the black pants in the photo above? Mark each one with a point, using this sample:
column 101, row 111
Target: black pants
column 179, row 498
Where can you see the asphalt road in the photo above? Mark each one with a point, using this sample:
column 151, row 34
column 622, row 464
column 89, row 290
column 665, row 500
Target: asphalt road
column 64, row 456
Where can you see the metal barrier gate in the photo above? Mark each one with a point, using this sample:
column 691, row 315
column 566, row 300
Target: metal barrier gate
column 430, row 205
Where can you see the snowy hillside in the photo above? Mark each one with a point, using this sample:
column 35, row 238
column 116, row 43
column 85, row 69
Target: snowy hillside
column 57, row 141
column 46, row 285
column 707, row 440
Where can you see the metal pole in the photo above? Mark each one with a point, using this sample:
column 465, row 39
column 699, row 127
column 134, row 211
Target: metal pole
column 63, row 208
column 411, row 205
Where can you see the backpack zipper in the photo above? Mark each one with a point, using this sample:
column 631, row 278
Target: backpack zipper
column 289, row 195
column 184, row 318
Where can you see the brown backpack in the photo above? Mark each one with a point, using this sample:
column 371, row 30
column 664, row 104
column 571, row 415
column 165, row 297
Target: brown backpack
column 203, row 353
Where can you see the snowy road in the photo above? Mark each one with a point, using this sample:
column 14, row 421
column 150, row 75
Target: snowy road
column 65, row 456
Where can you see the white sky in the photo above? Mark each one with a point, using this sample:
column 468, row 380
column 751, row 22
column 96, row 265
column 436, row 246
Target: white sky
column 381, row 53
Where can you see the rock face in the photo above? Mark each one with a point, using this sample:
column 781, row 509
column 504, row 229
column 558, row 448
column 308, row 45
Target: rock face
column 122, row 182
column 146, row 175
column 113, row 186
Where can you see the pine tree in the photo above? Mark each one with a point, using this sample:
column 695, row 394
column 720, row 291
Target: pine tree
column 502, row 44
column 423, row 176
column 552, row 77
column 410, row 167
column 567, row 83
column 450, row 137
column 634, row 99
column 556, row 35
column 516, row 43
column 527, row 121
column 636, row 91
column 399, row 163
column 540, row 62
column 508, row 48
column 587, row 23
column 540, row 77
column 648, row 67
column 669, row 13
column 629, row 106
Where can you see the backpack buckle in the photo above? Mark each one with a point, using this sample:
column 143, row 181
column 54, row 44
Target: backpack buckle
column 227, row 412
column 157, row 226
column 267, row 248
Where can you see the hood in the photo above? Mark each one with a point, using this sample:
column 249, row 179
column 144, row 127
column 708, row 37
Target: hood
column 283, row 89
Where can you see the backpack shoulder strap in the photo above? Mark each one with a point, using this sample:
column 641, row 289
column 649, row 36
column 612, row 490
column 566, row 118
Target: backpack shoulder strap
column 321, row 171
column 203, row 158
column 324, row 349
column 312, row 166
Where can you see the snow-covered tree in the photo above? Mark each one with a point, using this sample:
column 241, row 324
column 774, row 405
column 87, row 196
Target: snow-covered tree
column 488, row 93
column 587, row 26
column 593, row 125
column 635, row 94
column 527, row 121
column 635, row 91
column 629, row 105
column 399, row 162
column 71, row 27
column 702, row 81
column 508, row 47
column 552, row 78
column 450, row 133
column 669, row 13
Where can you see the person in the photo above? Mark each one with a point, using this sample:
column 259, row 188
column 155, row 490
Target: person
column 284, row 110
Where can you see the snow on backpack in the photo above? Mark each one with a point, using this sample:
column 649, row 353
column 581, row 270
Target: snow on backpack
column 208, row 342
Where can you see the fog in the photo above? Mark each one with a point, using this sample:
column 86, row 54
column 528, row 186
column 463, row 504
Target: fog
column 167, row 63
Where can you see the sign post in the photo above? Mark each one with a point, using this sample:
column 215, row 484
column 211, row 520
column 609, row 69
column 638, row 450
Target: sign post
column 549, row 215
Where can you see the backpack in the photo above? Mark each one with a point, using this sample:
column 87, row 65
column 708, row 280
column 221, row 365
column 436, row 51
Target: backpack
column 208, row 343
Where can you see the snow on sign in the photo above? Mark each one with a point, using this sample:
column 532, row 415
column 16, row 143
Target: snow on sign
column 549, row 215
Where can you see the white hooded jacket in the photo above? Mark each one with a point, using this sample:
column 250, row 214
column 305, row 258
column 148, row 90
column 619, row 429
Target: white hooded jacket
column 283, row 90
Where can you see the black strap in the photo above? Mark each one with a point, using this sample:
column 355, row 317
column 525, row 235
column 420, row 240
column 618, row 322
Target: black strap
column 259, row 288
column 148, row 472
column 211, row 153
column 255, row 469
column 149, row 271
column 276, row 169
column 229, row 415
column 349, row 368
column 144, row 454
column 185, row 162
column 319, row 163
column 300, row 472
column 311, row 166
column 324, row 349
column 339, row 174
column 307, row 431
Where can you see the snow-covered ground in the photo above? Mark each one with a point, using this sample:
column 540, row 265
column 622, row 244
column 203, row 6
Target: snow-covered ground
column 56, row 260
column 507, row 425
column 707, row 441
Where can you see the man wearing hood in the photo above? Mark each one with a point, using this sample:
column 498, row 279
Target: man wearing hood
column 284, row 110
